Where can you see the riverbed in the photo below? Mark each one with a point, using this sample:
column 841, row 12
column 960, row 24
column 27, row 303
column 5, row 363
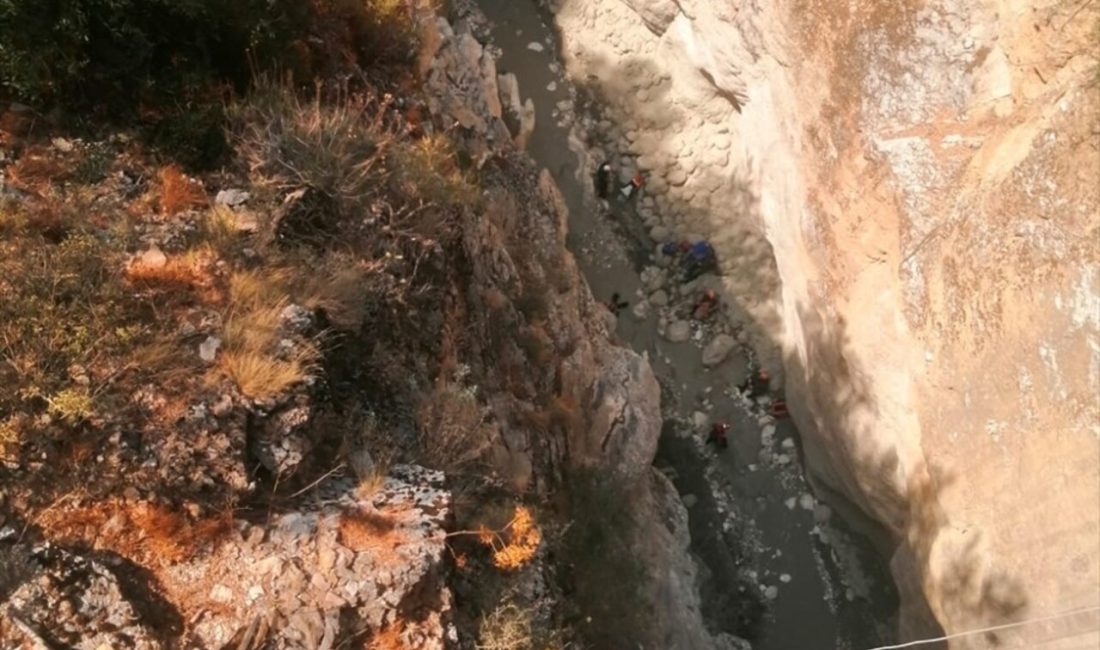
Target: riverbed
column 777, row 566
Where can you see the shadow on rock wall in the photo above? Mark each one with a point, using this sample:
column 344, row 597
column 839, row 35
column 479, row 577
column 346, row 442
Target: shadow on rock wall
column 693, row 192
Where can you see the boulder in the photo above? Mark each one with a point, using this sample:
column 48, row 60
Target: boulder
column 678, row 332
column 718, row 349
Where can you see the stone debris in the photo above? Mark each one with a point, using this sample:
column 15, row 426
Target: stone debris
column 54, row 598
column 208, row 349
column 718, row 349
column 232, row 197
column 535, row 46
column 678, row 332
column 340, row 563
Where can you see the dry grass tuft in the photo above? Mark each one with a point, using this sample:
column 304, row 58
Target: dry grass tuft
column 178, row 192
column 389, row 638
column 251, row 356
column 374, row 532
column 453, row 428
column 259, row 375
column 191, row 273
column 38, row 169
column 508, row 627
column 146, row 533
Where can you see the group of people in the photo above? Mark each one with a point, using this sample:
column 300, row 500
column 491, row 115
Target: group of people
column 695, row 259
column 755, row 385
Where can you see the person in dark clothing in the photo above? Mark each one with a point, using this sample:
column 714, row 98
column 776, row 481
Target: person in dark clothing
column 616, row 304
column 700, row 259
column 719, row 435
column 758, row 384
column 603, row 180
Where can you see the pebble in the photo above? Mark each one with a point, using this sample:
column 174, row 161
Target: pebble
column 232, row 197
column 699, row 419
column 552, row 86
column 822, row 513
column 153, row 258
column 791, row 503
column 689, row 500
column 659, row 298
column 208, row 349
column 771, row 593
column 806, row 501
column 62, row 145
column 786, row 577
column 679, row 331
column 659, row 233
column 535, row 46
column 788, row 443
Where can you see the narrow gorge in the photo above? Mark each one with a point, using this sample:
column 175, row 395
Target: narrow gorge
column 550, row 324
column 904, row 202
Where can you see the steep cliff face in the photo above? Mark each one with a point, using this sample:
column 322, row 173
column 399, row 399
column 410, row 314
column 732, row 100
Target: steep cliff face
column 904, row 199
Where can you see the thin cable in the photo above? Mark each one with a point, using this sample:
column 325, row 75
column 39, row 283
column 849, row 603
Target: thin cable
column 995, row 628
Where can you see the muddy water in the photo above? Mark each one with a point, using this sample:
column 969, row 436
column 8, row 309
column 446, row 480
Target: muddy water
column 768, row 573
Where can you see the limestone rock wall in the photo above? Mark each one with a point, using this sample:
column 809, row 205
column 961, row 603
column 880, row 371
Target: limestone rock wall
column 905, row 200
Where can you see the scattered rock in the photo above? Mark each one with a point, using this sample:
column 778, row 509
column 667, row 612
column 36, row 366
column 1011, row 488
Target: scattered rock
column 62, row 145
column 689, row 500
column 786, row 577
column 535, row 46
column 718, row 349
column 659, row 298
column 822, row 513
column 806, row 501
column 232, row 197
column 771, row 592
column 208, row 349
column 153, row 258
column 791, row 503
column 679, row 331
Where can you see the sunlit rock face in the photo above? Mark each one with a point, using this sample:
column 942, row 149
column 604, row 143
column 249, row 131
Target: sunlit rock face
column 904, row 197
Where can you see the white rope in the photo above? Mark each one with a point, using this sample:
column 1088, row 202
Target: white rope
column 995, row 628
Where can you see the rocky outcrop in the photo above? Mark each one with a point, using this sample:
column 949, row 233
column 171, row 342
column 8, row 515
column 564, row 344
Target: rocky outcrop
column 343, row 564
column 607, row 399
column 903, row 200
column 53, row 598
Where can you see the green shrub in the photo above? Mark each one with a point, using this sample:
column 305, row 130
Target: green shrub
column 113, row 53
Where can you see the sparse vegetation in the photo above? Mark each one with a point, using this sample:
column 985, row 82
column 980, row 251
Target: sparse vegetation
column 149, row 336
column 608, row 579
column 453, row 425
column 508, row 627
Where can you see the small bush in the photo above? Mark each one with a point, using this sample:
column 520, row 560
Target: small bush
column 452, row 423
column 508, row 627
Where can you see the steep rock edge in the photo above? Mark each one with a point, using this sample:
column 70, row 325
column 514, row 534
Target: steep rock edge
column 340, row 563
column 903, row 198
column 614, row 389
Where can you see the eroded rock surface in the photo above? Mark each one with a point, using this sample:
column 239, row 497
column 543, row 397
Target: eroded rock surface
column 904, row 204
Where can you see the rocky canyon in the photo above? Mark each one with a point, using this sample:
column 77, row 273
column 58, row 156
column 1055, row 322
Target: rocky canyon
column 904, row 201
